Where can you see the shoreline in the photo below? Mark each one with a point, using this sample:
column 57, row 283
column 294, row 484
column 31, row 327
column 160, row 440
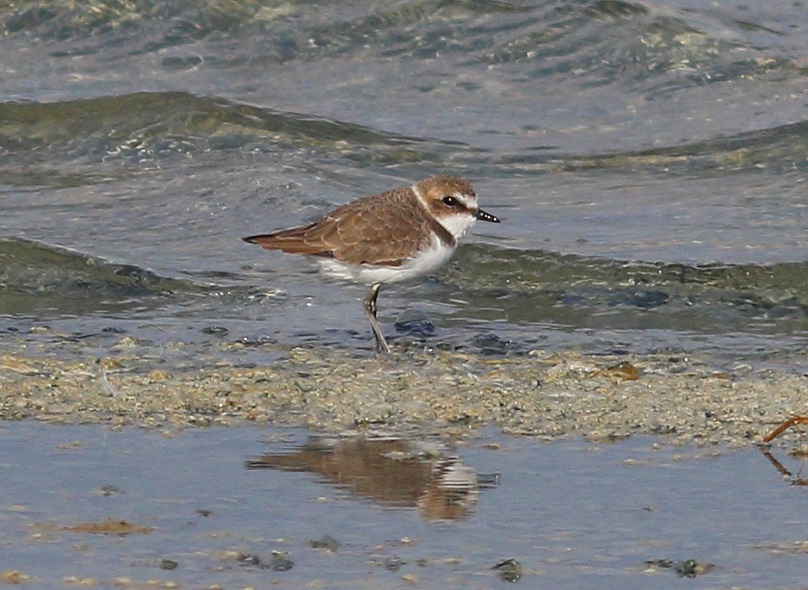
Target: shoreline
column 543, row 394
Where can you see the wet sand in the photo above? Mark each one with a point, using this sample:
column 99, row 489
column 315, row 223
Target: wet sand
column 540, row 394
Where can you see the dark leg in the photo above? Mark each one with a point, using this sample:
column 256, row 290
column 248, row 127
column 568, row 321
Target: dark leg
column 370, row 311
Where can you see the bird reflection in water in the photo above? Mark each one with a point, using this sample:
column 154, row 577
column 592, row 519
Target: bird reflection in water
column 394, row 471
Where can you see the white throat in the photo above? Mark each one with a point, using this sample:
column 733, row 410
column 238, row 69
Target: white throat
column 458, row 225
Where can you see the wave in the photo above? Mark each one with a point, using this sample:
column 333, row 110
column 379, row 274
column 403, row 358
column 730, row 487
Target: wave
column 44, row 282
column 573, row 279
column 146, row 126
column 38, row 279
column 781, row 148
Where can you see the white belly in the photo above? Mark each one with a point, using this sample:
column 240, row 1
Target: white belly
column 424, row 262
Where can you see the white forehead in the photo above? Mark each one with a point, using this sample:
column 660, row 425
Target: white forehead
column 468, row 199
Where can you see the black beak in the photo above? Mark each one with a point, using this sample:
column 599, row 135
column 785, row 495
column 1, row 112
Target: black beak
column 484, row 216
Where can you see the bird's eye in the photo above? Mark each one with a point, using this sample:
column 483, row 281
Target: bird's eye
column 450, row 201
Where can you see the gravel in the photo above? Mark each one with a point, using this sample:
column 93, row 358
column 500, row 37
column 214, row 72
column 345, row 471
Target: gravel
column 541, row 394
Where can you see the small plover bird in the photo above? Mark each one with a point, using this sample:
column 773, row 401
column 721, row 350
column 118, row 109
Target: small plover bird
column 386, row 238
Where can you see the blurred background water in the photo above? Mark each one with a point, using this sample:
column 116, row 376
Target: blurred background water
column 648, row 160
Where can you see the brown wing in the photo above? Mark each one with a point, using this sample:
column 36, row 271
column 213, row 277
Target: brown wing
column 382, row 229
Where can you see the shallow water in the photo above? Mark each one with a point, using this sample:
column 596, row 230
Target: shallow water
column 609, row 136
column 573, row 514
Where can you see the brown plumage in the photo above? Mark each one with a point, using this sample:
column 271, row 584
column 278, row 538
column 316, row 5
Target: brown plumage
column 384, row 229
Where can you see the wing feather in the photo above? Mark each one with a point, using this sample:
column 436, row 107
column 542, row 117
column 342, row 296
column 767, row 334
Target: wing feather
column 384, row 229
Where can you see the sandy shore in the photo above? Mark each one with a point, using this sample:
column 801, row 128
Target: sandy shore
column 541, row 394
